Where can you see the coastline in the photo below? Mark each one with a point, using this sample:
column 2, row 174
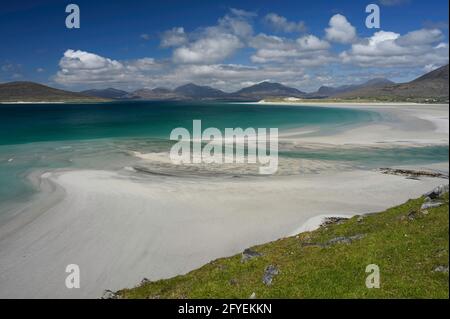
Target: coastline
column 109, row 223
column 123, row 226
column 408, row 124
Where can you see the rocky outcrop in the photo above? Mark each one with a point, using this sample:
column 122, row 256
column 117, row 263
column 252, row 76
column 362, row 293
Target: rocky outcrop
column 432, row 197
column 412, row 173
column 270, row 272
column 108, row 294
column 249, row 254
column 437, row 192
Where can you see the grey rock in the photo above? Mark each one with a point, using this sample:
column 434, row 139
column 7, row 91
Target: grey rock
column 345, row 240
column 438, row 192
column 108, row 294
column 249, row 254
column 333, row 221
column 431, row 204
column 443, row 269
column 270, row 272
column 253, row 296
column 412, row 174
column 412, row 215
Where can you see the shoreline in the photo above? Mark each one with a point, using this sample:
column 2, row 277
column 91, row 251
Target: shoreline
column 110, row 222
column 123, row 226
column 405, row 124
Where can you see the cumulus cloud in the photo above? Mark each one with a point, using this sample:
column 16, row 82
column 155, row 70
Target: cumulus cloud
column 390, row 49
column 308, row 50
column 304, row 61
column 78, row 67
column 217, row 43
column 210, row 49
column 281, row 24
column 174, row 37
column 430, row 67
column 340, row 30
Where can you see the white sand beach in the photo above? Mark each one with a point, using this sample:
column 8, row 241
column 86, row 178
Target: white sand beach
column 408, row 124
column 122, row 226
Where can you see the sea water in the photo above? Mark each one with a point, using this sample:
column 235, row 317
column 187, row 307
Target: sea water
column 100, row 136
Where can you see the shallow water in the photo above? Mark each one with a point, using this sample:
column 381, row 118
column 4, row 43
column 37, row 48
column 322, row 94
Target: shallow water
column 100, row 136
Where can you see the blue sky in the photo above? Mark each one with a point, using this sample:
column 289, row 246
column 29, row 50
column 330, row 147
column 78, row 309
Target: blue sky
column 226, row 44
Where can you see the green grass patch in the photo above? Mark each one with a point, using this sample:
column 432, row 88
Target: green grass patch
column 407, row 251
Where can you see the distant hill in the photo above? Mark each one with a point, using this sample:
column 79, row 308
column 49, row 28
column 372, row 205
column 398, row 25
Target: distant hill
column 193, row 91
column 34, row 92
column 328, row 91
column 431, row 87
column 154, row 94
column 109, row 93
column 196, row 91
column 267, row 89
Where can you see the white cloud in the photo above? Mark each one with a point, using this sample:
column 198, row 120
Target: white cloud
column 305, row 51
column 281, row 24
column 421, row 37
column 313, row 43
column 84, row 60
column 305, row 62
column 340, row 30
column 430, row 67
column 210, row 49
column 78, row 67
column 389, row 49
column 217, row 43
column 237, row 23
column 174, row 37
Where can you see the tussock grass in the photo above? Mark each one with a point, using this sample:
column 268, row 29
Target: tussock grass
column 406, row 249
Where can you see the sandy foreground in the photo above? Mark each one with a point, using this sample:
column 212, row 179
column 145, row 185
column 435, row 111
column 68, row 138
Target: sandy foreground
column 121, row 227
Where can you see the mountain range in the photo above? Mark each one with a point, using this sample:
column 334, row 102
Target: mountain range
column 109, row 93
column 328, row 91
column 431, row 87
column 35, row 92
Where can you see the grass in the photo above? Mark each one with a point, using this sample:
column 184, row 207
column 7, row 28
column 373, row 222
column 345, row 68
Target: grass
column 406, row 250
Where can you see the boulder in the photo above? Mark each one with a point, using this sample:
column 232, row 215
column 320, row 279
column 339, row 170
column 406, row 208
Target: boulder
column 345, row 240
column 249, row 254
column 108, row 294
column 270, row 272
column 443, row 269
column 431, row 204
column 438, row 192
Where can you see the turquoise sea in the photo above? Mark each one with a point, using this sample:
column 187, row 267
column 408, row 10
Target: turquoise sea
column 98, row 136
